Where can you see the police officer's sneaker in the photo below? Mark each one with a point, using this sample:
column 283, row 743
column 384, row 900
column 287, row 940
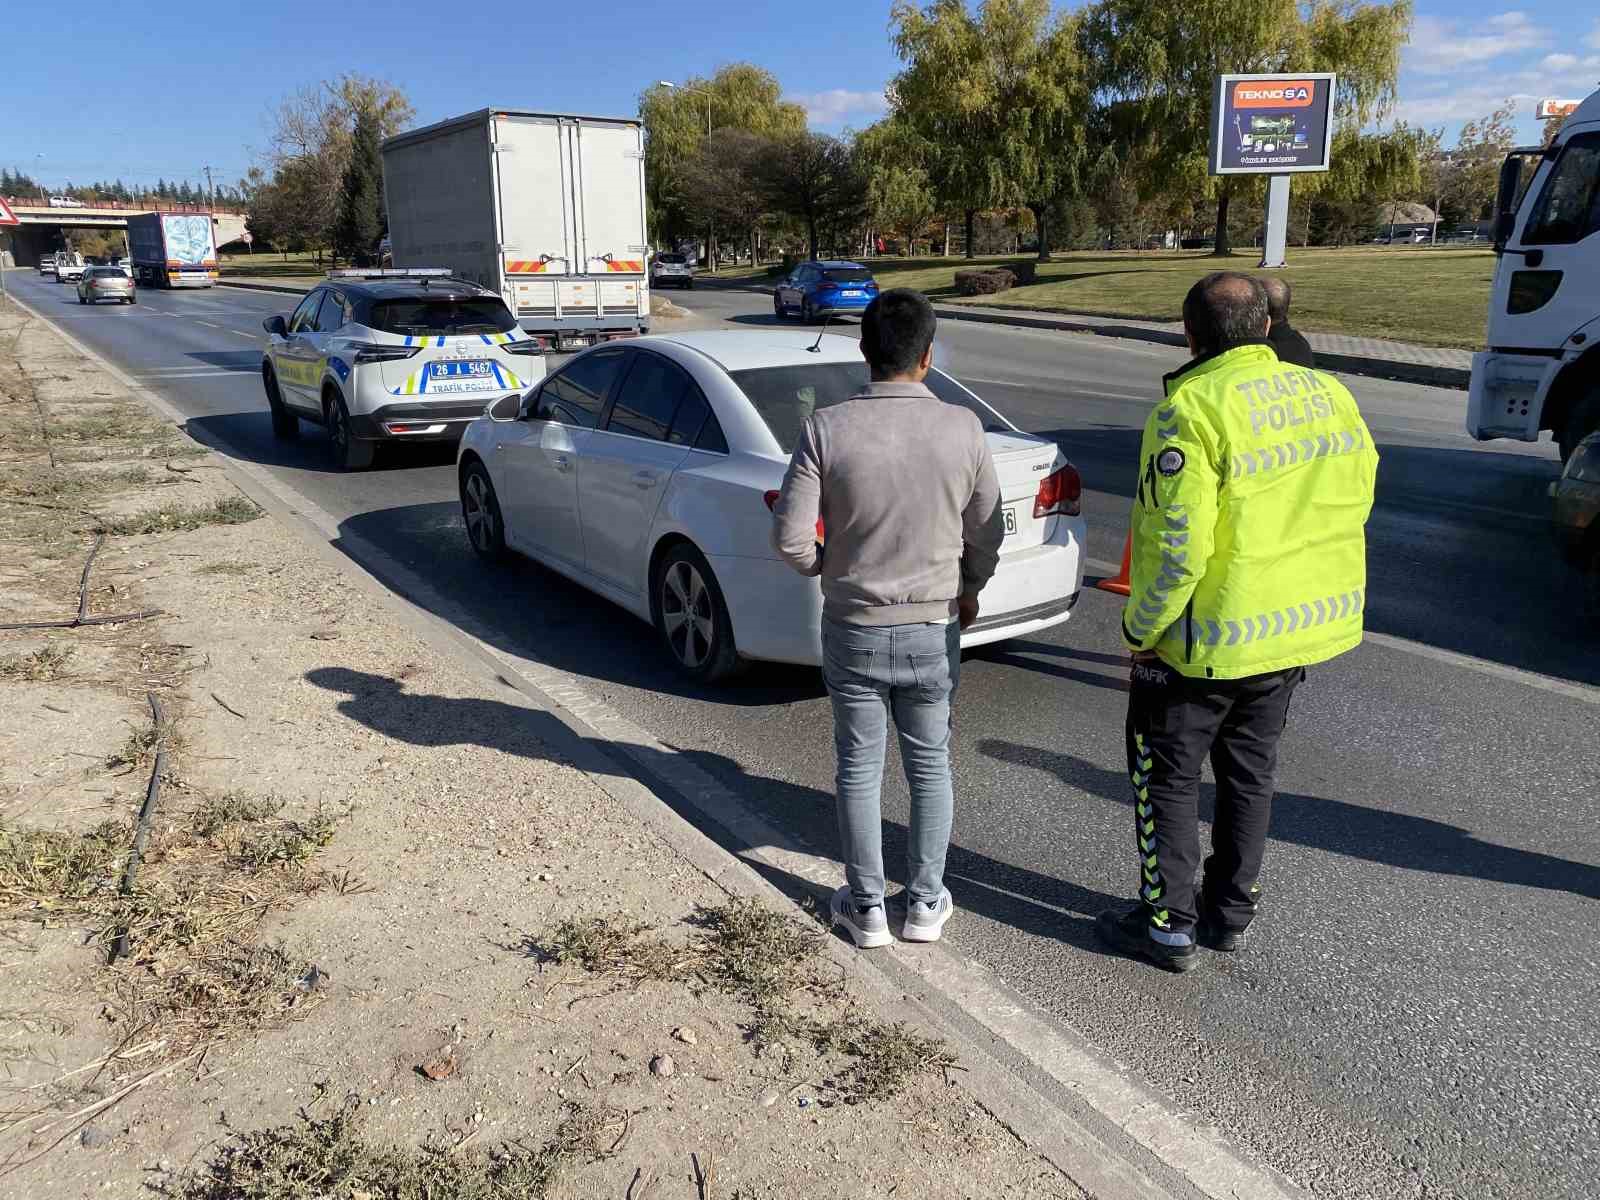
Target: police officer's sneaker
column 1214, row 935
column 868, row 927
column 1128, row 930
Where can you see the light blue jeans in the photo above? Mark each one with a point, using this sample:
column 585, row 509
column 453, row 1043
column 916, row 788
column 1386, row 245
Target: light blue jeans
column 911, row 671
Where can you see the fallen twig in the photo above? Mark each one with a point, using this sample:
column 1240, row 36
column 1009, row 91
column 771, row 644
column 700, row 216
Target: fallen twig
column 647, row 1178
column 227, row 706
column 142, row 615
column 83, row 580
column 141, row 828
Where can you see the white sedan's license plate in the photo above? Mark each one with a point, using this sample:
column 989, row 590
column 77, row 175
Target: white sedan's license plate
column 1011, row 519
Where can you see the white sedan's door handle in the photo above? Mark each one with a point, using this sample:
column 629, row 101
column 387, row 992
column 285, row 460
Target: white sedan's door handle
column 563, row 463
column 645, row 479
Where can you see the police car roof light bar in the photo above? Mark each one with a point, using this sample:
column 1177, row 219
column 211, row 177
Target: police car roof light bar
column 390, row 273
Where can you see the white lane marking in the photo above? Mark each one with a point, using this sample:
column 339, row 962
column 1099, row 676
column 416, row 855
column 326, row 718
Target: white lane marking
column 1532, row 679
column 207, row 324
column 241, row 333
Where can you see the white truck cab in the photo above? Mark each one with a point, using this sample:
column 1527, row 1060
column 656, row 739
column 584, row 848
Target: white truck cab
column 1542, row 368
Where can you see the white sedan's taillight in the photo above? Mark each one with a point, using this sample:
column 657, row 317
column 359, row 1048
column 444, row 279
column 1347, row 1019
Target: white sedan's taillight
column 1059, row 493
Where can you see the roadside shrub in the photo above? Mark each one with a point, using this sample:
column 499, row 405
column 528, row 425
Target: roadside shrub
column 1026, row 272
column 985, row 281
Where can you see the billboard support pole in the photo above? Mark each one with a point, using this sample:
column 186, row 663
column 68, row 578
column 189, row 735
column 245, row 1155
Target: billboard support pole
column 1275, row 240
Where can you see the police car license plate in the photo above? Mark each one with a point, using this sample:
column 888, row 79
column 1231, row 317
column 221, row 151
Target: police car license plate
column 463, row 369
column 1011, row 519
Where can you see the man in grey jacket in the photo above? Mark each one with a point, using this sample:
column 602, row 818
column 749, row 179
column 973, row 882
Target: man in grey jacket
column 905, row 487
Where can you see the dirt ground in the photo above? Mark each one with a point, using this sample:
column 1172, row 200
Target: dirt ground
column 378, row 916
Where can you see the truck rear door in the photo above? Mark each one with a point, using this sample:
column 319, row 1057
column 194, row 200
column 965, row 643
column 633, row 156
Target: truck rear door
column 610, row 158
column 538, row 222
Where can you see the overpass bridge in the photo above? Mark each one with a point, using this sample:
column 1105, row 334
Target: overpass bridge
column 44, row 226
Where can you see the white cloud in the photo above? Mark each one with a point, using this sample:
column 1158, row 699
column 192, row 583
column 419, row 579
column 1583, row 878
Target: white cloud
column 838, row 105
column 1438, row 47
column 1594, row 37
column 1559, row 62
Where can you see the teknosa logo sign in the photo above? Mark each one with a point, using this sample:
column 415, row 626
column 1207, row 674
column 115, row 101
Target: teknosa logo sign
column 1293, row 93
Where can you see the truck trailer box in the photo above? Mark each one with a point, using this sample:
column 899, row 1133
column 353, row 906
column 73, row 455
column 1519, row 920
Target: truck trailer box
column 172, row 250
column 547, row 209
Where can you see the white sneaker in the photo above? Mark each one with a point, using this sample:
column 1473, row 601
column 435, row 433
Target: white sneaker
column 925, row 922
column 868, row 928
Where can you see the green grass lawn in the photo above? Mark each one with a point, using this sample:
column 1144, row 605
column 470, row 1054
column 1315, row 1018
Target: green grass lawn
column 269, row 266
column 1435, row 297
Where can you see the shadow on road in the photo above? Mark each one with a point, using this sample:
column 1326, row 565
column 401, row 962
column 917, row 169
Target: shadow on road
column 248, row 436
column 243, row 361
column 1023, row 899
column 1375, row 835
column 533, row 612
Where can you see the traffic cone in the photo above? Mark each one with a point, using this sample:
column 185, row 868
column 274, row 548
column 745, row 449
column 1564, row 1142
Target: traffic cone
column 1119, row 584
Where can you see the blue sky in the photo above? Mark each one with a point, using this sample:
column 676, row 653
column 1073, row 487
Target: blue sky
column 80, row 101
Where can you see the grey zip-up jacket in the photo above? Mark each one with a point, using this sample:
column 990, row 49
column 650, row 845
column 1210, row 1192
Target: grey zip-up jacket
column 905, row 487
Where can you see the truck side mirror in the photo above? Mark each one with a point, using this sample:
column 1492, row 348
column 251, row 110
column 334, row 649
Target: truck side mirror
column 1505, row 213
column 276, row 324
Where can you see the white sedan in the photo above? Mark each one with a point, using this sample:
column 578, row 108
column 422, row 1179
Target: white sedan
column 646, row 471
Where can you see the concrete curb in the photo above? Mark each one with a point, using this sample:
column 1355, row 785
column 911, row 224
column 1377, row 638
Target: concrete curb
column 1348, row 364
column 1094, row 1120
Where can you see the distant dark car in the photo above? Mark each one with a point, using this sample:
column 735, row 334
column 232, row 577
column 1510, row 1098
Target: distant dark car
column 1577, row 516
column 824, row 289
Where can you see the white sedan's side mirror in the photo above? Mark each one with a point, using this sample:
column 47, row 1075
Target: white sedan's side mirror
column 507, row 408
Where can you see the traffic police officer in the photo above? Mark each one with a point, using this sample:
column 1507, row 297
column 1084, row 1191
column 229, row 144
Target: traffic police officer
column 1248, row 565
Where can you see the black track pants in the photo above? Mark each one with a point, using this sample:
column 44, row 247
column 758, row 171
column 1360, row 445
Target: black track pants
column 1173, row 724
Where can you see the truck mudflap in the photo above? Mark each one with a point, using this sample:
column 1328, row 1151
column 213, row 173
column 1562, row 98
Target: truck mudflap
column 1506, row 396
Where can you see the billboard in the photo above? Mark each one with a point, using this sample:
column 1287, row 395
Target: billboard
column 1549, row 110
column 1271, row 124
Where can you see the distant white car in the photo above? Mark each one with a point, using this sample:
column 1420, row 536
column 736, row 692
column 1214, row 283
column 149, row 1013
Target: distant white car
column 671, row 269
column 393, row 356
column 646, row 470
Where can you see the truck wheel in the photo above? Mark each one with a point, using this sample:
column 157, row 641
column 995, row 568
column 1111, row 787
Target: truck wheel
column 349, row 451
column 285, row 425
column 1583, row 420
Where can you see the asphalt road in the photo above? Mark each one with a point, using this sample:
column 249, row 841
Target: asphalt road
column 1414, row 1014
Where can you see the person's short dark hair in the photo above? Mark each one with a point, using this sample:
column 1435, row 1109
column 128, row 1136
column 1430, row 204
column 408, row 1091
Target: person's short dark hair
column 896, row 331
column 1223, row 308
column 1279, row 294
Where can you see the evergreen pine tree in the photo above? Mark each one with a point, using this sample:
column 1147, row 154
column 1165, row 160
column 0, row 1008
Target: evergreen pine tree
column 359, row 224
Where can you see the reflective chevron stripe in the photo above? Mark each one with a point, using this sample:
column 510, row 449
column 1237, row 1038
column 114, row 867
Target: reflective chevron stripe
column 1153, row 887
column 1288, row 454
column 1174, row 562
column 1286, row 620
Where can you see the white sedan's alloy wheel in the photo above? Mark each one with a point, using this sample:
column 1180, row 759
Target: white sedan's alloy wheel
column 686, row 614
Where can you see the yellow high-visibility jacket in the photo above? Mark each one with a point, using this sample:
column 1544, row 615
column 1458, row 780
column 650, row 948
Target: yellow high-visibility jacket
column 1249, row 544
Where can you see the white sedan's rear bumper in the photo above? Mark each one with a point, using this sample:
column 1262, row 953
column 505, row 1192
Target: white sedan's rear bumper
column 777, row 615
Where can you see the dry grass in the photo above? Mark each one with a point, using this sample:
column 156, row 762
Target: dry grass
column 226, row 568
column 194, row 972
column 42, row 666
column 332, row 1158
column 170, row 518
column 765, row 959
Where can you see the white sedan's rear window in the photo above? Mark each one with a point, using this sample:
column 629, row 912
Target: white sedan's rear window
column 786, row 396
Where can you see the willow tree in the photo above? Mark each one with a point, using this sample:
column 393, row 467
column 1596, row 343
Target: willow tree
column 680, row 123
column 999, row 96
column 1162, row 60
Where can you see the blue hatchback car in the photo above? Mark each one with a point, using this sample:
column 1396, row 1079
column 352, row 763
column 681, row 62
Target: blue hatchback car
column 814, row 290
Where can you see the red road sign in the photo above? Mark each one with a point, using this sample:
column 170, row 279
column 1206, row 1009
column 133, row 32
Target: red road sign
column 7, row 217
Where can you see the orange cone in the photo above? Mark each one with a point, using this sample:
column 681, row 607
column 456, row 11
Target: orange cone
column 1119, row 585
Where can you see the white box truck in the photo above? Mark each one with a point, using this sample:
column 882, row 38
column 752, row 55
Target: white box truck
column 1542, row 368
column 546, row 209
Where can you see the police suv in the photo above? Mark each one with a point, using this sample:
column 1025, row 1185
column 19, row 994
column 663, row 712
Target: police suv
column 393, row 355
